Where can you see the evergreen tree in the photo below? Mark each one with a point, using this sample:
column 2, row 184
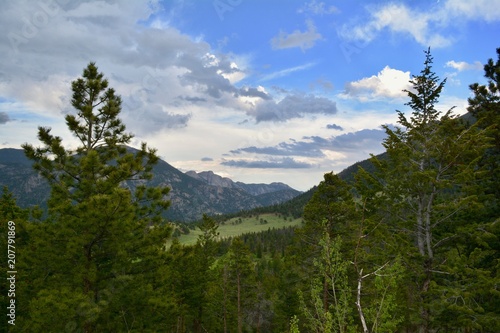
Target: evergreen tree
column 330, row 213
column 241, row 272
column 332, row 206
column 427, row 180
column 203, row 275
column 472, row 299
column 101, row 238
column 12, row 221
column 485, row 106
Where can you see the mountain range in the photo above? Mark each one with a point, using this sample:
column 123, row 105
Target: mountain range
column 255, row 189
column 191, row 194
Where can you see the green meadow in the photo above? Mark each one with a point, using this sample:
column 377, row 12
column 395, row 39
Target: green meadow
column 242, row 225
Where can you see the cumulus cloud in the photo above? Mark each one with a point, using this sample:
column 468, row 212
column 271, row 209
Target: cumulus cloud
column 206, row 75
column 464, row 66
column 334, row 127
column 303, row 39
column 253, row 92
column 273, row 163
column 160, row 73
column 388, row 83
column 292, row 106
column 4, row 118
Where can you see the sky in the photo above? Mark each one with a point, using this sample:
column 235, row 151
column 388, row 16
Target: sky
column 259, row 91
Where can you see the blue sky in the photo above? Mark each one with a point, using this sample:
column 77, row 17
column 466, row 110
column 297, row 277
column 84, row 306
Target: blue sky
column 255, row 90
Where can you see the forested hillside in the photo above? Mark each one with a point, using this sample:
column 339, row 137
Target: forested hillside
column 410, row 243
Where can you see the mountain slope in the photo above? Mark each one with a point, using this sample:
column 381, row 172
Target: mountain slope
column 190, row 197
column 211, row 178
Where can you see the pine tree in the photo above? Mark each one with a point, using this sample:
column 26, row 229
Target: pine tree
column 477, row 251
column 426, row 181
column 485, row 107
column 241, row 272
column 100, row 236
column 330, row 213
column 204, row 257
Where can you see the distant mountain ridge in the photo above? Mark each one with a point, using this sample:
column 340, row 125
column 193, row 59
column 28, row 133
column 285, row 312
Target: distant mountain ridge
column 254, row 189
column 190, row 197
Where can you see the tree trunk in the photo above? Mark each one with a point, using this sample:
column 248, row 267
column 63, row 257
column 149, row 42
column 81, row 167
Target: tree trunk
column 428, row 226
column 358, row 303
column 197, row 321
column 420, row 228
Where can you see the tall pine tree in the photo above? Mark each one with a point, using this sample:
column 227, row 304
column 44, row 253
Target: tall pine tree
column 100, row 237
column 428, row 179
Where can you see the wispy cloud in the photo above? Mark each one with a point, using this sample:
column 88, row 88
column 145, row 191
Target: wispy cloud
column 425, row 27
column 315, row 146
column 464, row 66
column 398, row 18
column 287, row 71
column 303, row 39
column 317, row 8
column 488, row 10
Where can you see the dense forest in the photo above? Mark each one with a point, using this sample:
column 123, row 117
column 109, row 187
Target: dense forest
column 410, row 245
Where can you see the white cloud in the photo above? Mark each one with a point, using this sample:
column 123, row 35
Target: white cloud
column 318, row 8
column 397, row 18
column 160, row 72
column 425, row 27
column 464, row 66
column 388, row 83
column 304, row 40
column 488, row 10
